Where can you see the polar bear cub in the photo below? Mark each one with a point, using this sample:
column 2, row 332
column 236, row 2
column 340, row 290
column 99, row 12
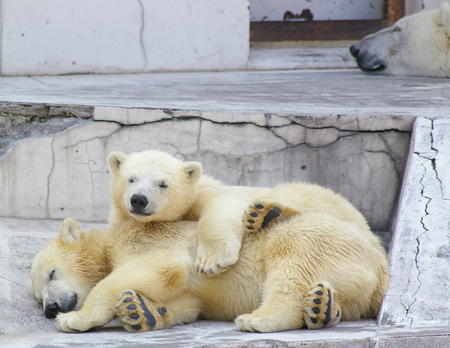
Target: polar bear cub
column 155, row 186
column 416, row 45
column 296, row 269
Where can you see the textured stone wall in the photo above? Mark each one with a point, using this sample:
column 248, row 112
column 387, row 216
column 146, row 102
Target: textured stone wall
column 66, row 174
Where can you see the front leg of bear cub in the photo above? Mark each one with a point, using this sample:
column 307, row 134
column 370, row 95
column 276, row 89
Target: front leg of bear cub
column 138, row 314
column 220, row 233
column 156, row 284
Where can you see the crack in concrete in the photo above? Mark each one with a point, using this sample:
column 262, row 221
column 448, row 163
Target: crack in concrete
column 432, row 161
column 141, row 34
column 92, row 172
column 15, row 283
column 47, row 200
column 242, row 123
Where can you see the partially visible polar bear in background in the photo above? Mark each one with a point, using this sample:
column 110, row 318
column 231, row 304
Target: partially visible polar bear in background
column 417, row 45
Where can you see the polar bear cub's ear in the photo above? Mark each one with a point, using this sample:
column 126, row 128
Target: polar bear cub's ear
column 115, row 160
column 193, row 169
column 445, row 15
column 70, row 231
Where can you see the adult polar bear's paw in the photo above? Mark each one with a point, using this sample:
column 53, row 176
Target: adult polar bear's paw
column 322, row 306
column 263, row 213
column 138, row 315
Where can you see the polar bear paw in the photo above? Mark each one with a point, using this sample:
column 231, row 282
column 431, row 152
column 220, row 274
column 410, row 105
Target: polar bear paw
column 137, row 314
column 322, row 307
column 262, row 214
column 74, row 322
column 254, row 323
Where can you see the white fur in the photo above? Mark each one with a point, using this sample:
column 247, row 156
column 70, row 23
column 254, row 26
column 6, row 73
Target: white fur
column 417, row 45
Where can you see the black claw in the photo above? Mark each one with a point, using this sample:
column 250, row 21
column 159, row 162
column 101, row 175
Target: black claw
column 316, row 310
column 137, row 327
column 254, row 214
column 259, row 206
column 320, row 285
column 132, row 307
column 134, row 316
column 337, row 314
column 317, row 301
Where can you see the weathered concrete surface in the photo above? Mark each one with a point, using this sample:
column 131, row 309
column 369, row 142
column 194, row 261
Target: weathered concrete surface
column 420, row 256
column 23, row 324
column 306, row 93
column 283, row 109
column 301, row 58
column 67, row 174
column 33, row 120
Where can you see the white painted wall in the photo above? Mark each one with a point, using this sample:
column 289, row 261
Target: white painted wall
column 123, row 36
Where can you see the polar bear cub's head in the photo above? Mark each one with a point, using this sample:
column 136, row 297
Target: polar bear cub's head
column 417, row 45
column 152, row 186
column 61, row 274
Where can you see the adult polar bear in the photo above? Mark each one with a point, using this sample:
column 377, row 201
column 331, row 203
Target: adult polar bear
column 416, row 45
column 311, row 264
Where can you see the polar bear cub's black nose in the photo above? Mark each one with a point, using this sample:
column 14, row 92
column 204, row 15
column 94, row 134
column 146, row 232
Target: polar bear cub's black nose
column 51, row 310
column 139, row 202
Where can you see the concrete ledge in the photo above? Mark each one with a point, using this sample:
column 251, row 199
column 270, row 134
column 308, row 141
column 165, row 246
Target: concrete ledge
column 418, row 294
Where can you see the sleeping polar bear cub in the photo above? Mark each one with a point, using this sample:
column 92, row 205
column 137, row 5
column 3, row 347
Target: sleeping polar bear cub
column 416, row 45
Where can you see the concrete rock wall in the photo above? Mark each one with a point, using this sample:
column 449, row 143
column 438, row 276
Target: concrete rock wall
column 66, row 174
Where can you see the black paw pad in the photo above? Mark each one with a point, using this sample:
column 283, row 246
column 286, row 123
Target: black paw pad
column 162, row 311
column 272, row 214
column 254, row 215
column 132, row 307
column 328, row 311
column 151, row 321
column 128, row 299
column 136, row 327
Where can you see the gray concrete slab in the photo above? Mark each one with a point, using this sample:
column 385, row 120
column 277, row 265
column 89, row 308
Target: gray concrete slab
column 23, row 325
column 299, row 92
